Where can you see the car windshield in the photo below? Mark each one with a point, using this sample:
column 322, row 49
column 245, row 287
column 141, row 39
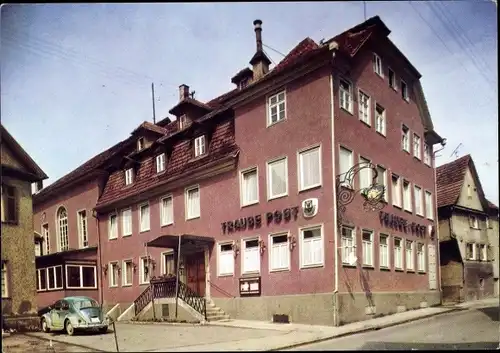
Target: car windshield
column 86, row 303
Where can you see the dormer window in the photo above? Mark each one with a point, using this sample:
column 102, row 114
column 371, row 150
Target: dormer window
column 199, row 146
column 129, row 176
column 140, row 143
column 160, row 163
column 243, row 83
column 183, row 122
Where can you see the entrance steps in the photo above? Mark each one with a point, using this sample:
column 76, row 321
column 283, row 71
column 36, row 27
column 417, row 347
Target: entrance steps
column 214, row 313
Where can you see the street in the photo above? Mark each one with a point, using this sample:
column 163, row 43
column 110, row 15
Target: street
column 468, row 329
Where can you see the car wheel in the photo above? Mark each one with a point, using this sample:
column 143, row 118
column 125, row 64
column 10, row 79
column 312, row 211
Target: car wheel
column 70, row 330
column 103, row 329
column 45, row 326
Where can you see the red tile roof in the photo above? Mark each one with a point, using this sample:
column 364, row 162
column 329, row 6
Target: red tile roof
column 449, row 180
column 492, row 205
column 151, row 127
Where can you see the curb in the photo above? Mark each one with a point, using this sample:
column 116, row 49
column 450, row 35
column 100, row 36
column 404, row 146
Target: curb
column 366, row 329
column 62, row 342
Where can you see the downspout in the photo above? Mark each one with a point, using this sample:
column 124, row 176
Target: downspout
column 436, row 222
column 101, row 293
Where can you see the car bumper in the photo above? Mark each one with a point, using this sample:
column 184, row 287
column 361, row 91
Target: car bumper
column 90, row 325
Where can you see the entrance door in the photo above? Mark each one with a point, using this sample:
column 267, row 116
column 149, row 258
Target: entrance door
column 195, row 272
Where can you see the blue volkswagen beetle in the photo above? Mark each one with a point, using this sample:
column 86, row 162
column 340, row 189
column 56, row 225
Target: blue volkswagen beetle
column 74, row 313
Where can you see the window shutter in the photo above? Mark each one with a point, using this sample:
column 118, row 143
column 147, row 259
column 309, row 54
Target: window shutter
column 306, row 252
column 317, row 253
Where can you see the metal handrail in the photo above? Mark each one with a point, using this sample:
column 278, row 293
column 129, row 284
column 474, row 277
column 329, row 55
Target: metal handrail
column 221, row 290
column 193, row 299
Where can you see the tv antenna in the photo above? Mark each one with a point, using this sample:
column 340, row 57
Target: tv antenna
column 455, row 151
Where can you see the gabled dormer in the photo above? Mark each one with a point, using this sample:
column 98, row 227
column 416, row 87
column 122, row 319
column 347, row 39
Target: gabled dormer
column 146, row 134
column 243, row 78
column 188, row 109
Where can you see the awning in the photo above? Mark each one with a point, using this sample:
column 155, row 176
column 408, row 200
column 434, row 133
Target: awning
column 189, row 242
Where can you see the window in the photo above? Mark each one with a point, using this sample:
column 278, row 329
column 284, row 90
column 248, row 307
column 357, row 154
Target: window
column 396, row 191
column 404, row 91
column 348, row 245
column 469, row 192
column 41, row 279
column 416, row 146
column 9, row 204
column 54, row 277
column 113, row 274
column 384, row 251
column 183, row 122
column 279, row 256
column 127, row 222
column 129, row 176
column 127, row 273
column 473, row 222
column 251, row 256
column 420, row 257
column 382, row 179
column 46, row 238
column 392, row 79
column 167, row 211
column 345, row 95
column 168, row 263
column 82, row 229
column 367, row 248
column 429, row 210
column 144, row 219
column 406, row 195
column 5, row 280
column 113, row 226
column 488, row 225
column 193, row 202
column 81, row 276
column 62, row 219
column 410, row 265
column 470, row 251
column 199, row 146
column 311, row 246
column 345, row 162
column 377, row 65
column 365, row 174
column 277, row 173
column 380, row 119
column 405, row 138
column 310, row 168
column 277, row 108
column 418, row 201
column 160, row 163
column 144, row 274
column 364, row 107
column 398, row 254
column 38, row 249
column 140, row 143
column 483, row 252
column 249, row 187
column 226, row 260
column 427, row 154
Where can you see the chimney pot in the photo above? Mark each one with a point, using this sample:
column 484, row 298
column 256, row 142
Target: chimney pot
column 258, row 34
column 183, row 92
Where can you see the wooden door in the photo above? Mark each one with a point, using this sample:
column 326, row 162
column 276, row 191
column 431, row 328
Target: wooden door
column 195, row 272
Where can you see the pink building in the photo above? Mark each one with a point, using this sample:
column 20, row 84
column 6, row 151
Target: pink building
column 260, row 189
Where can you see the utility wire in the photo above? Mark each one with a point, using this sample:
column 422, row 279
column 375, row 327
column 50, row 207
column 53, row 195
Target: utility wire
column 269, row 56
column 276, row 51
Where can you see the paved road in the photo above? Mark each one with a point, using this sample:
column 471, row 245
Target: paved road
column 469, row 329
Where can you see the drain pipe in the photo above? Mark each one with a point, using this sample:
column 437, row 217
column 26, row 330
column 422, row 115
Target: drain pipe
column 99, row 276
column 436, row 222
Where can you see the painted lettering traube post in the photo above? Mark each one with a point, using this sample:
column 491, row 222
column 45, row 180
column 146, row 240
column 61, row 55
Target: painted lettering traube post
column 254, row 222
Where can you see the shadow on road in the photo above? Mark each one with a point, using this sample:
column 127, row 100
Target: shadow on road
column 429, row 346
column 492, row 312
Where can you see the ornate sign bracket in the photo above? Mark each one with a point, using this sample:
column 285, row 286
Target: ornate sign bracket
column 373, row 195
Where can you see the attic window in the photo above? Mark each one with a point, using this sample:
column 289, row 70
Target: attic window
column 140, row 143
column 200, row 146
column 183, row 122
column 160, row 163
column 243, row 83
column 129, row 176
column 404, row 91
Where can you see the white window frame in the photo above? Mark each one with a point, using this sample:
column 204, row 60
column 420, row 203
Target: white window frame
column 427, row 155
column 418, row 196
column 82, row 236
column 38, row 248
column 410, row 266
column 243, row 172
column 163, row 257
column 346, row 95
column 124, row 272
column 384, row 248
column 57, row 286
column 111, row 268
column 483, row 252
column 382, row 170
column 429, row 207
column 380, row 120
column 200, row 146
column 244, row 249
column 129, row 176
column 398, row 253
column 147, row 226
column 186, row 202
column 39, row 275
column 269, row 180
column 81, row 276
column 143, row 280
column 405, row 138
column 488, row 225
column 183, row 122
column 219, row 252
column 378, row 67
column 163, row 221
column 368, row 248
column 62, row 227
column 276, row 105
column 302, row 230
column 348, row 245
column 396, row 200
column 365, row 172
column 273, row 248
column 351, row 164
column 364, row 114
column 404, row 92
column 417, row 146
column 407, row 201
column 140, row 143
column 46, row 238
column 6, row 279
column 112, row 236
column 474, row 222
column 300, row 173
column 160, row 163
column 125, row 234
column 421, row 257
column 393, row 85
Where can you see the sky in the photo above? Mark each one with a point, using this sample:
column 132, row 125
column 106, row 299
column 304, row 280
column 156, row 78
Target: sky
column 76, row 78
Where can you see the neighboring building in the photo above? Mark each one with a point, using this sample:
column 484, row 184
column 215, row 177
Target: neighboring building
column 468, row 251
column 493, row 240
column 19, row 171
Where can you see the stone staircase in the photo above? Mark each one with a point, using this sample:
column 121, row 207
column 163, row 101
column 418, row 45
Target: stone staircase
column 214, row 313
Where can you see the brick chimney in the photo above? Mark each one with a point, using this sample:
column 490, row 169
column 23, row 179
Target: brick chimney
column 183, row 92
column 259, row 61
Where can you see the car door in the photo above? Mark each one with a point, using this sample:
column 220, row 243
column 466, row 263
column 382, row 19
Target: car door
column 55, row 315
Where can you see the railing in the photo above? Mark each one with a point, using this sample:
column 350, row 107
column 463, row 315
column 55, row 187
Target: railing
column 193, row 299
column 163, row 288
column 221, row 290
column 143, row 300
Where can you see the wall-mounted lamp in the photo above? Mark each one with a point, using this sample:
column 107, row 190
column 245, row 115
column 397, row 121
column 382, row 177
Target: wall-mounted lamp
column 292, row 242
column 134, row 266
column 118, row 269
column 181, row 268
column 153, row 263
column 262, row 246
column 104, row 269
column 236, row 250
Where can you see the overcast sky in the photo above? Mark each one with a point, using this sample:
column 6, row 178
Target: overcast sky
column 76, row 79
